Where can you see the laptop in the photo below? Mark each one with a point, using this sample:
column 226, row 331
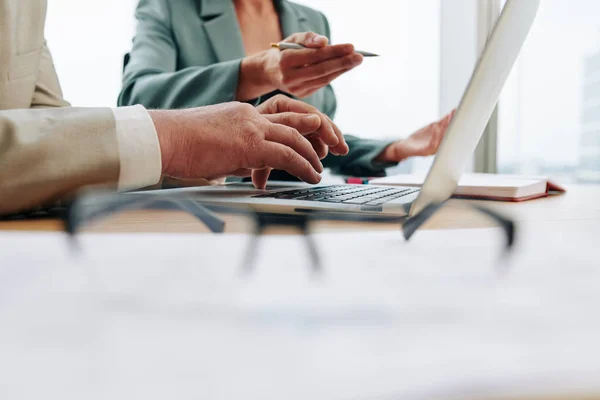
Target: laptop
column 456, row 149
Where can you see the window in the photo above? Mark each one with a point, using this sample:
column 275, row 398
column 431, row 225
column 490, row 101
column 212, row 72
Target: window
column 391, row 96
column 88, row 41
column 549, row 112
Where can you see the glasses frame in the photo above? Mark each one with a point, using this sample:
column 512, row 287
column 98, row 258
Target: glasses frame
column 91, row 207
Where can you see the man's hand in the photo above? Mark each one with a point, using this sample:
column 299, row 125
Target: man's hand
column 424, row 142
column 325, row 136
column 234, row 139
column 297, row 72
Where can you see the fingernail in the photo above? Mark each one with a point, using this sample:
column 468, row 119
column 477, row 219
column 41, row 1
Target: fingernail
column 319, row 39
column 322, row 167
column 357, row 58
column 313, row 119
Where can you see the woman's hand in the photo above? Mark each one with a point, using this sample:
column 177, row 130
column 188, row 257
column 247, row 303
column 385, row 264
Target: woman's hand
column 297, row 72
column 424, row 142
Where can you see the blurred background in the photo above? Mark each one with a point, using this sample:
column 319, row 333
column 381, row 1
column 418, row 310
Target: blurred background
column 548, row 117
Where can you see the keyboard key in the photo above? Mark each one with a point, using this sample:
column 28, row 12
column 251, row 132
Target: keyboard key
column 310, row 197
column 356, row 201
column 371, row 198
column 343, row 198
column 378, row 193
column 385, row 199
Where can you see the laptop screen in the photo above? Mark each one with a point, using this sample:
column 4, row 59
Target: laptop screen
column 478, row 102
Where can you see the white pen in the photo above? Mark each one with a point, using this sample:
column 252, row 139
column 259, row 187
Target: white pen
column 296, row 46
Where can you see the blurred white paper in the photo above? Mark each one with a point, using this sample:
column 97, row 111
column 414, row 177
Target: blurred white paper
column 161, row 316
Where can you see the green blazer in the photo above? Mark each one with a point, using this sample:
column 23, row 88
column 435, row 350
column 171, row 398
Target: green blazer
column 187, row 53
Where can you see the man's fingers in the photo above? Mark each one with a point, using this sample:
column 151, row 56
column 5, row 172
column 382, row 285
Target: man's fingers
column 341, row 149
column 308, row 39
column 320, row 148
column 328, row 131
column 260, row 177
column 279, row 156
column 291, row 138
column 242, row 172
column 303, row 123
column 308, row 125
column 301, row 58
column 328, row 67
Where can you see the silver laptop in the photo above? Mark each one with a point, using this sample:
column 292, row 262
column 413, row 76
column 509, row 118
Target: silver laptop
column 457, row 147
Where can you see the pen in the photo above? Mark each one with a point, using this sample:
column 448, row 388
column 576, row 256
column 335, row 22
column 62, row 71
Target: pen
column 296, row 46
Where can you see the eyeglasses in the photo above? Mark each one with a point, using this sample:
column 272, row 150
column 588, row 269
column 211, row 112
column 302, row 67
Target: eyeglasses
column 198, row 272
column 95, row 206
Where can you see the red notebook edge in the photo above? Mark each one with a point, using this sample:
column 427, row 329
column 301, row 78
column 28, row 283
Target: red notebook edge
column 503, row 199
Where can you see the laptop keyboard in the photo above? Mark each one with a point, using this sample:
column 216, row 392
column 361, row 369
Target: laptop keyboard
column 344, row 194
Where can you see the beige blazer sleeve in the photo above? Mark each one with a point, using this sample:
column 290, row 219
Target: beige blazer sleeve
column 46, row 154
column 47, row 149
column 47, row 91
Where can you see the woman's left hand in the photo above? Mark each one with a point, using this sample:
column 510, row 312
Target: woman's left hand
column 424, row 142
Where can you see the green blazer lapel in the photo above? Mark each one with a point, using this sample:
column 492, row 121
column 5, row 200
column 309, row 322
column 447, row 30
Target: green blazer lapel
column 291, row 19
column 222, row 29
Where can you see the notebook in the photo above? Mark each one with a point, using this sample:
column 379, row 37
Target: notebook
column 486, row 186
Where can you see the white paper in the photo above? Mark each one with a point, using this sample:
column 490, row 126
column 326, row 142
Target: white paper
column 175, row 316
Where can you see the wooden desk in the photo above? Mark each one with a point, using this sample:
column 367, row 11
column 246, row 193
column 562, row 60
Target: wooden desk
column 581, row 202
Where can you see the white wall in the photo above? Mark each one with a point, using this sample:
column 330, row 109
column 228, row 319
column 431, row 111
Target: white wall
column 459, row 51
column 399, row 92
column 88, row 40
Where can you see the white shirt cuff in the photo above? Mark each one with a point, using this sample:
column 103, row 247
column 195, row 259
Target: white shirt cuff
column 139, row 149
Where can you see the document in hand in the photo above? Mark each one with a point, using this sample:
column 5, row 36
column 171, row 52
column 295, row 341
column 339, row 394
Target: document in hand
column 486, row 186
